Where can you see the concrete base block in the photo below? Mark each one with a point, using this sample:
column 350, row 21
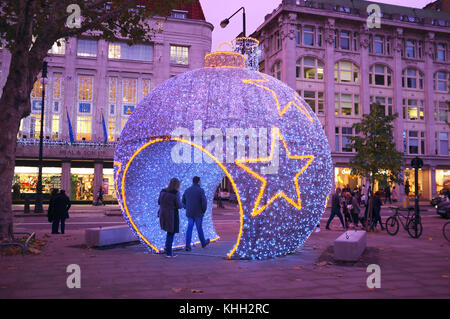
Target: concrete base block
column 351, row 248
column 104, row 236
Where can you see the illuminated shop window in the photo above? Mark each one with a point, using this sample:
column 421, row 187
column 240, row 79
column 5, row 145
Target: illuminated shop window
column 380, row 75
column 179, row 54
column 136, row 52
column 58, row 49
column 87, row 48
column 309, row 68
column 413, row 109
column 346, row 72
column 346, row 104
column 84, row 128
column 440, row 82
column 412, row 79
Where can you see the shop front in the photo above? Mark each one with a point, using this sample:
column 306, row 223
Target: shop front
column 424, row 182
column 26, row 179
column 442, row 180
column 81, row 184
column 343, row 178
column 108, row 184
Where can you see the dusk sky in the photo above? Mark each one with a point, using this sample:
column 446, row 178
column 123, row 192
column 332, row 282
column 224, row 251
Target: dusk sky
column 217, row 10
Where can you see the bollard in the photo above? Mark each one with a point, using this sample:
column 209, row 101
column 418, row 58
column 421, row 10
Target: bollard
column 26, row 208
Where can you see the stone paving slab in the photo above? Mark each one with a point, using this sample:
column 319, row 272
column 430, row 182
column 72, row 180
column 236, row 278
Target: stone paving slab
column 410, row 268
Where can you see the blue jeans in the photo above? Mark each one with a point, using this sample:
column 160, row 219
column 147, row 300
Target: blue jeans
column 198, row 224
column 169, row 242
column 334, row 212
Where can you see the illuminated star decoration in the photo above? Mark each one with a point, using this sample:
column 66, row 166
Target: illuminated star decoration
column 281, row 111
column 258, row 208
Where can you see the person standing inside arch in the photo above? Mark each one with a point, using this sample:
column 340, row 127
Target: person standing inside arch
column 194, row 201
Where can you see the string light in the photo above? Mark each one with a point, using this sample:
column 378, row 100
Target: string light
column 220, row 96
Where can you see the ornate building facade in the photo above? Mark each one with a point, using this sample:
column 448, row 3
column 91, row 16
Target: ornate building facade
column 325, row 50
column 93, row 87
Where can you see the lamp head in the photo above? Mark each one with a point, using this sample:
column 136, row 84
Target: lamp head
column 224, row 23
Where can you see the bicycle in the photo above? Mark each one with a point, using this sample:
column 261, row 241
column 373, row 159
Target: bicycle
column 446, row 231
column 411, row 225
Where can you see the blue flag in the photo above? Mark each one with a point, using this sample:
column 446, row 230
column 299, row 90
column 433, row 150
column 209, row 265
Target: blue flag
column 105, row 132
column 70, row 128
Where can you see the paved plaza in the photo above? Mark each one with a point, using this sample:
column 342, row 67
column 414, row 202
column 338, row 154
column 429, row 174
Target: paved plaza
column 410, row 268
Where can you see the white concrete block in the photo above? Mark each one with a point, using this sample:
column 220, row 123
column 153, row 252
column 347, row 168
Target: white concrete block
column 103, row 236
column 351, row 248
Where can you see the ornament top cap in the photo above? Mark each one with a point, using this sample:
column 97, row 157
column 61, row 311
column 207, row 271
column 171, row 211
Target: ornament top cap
column 225, row 59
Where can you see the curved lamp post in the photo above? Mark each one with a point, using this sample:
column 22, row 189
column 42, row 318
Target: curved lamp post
column 225, row 22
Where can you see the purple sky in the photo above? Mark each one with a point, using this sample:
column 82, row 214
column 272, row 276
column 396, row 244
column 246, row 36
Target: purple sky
column 217, row 10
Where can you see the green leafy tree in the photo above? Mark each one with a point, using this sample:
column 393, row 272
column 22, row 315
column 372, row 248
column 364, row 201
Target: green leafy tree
column 377, row 158
column 28, row 29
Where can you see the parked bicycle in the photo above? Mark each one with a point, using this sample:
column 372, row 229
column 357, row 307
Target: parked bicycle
column 446, row 231
column 412, row 224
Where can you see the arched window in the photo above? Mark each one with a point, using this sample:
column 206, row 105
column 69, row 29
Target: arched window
column 440, row 82
column 412, row 79
column 380, row 75
column 309, row 68
column 276, row 70
column 346, row 71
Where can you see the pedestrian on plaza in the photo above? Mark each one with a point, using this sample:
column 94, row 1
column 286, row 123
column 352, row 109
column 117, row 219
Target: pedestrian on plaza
column 387, row 194
column 194, row 201
column 51, row 205
column 61, row 211
column 99, row 197
column 394, row 195
column 169, row 219
column 407, row 188
column 335, row 208
column 355, row 209
column 377, row 211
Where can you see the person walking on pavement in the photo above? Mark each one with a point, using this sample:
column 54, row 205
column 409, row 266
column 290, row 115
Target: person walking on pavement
column 169, row 219
column 194, row 201
column 377, row 211
column 99, row 197
column 335, row 208
column 60, row 211
column 387, row 194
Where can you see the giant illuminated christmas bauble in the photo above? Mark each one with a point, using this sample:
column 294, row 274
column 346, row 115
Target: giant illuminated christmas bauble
column 225, row 120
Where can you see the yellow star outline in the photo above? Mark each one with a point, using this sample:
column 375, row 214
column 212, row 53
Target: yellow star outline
column 257, row 209
column 281, row 111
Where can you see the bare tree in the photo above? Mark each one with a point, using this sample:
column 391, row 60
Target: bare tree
column 28, row 29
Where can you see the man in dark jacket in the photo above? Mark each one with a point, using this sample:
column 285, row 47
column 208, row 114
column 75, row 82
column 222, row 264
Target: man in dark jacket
column 194, row 201
column 336, row 208
column 60, row 211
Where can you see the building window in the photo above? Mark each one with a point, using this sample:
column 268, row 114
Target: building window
column 57, row 85
column 344, row 40
column 276, row 70
column 87, row 48
column 378, row 44
column 414, row 142
column 85, row 87
column 129, row 91
column 145, row 87
column 385, row 103
column 179, row 14
column 441, row 52
column 413, row 49
column 343, row 143
column 309, row 68
column 36, row 92
column 137, row 52
column 440, row 82
column 346, row 71
column 179, row 54
column 84, row 128
column 412, row 79
column 380, row 75
column 35, row 125
column 346, row 104
column 277, row 41
column 441, row 143
column 58, row 49
column 111, row 129
column 315, row 101
column 308, row 36
column 441, row 110
column 55, row 126
column 112, row 89
column 413, row 109
column 298, row 35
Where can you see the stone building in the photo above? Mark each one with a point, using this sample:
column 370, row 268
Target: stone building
column 326, row 50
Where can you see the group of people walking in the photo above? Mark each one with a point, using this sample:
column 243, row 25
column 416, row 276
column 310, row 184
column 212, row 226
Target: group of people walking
column 194, row 201
column 58, row 210
column 347, row 206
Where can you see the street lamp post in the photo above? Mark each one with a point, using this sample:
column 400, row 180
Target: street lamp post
column 225, row 22
column 416, row 163
column 38, row 203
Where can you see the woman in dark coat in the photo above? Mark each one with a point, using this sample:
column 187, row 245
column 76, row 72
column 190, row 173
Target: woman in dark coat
column 61, row 211
column 51, row 205
column 169, row 202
